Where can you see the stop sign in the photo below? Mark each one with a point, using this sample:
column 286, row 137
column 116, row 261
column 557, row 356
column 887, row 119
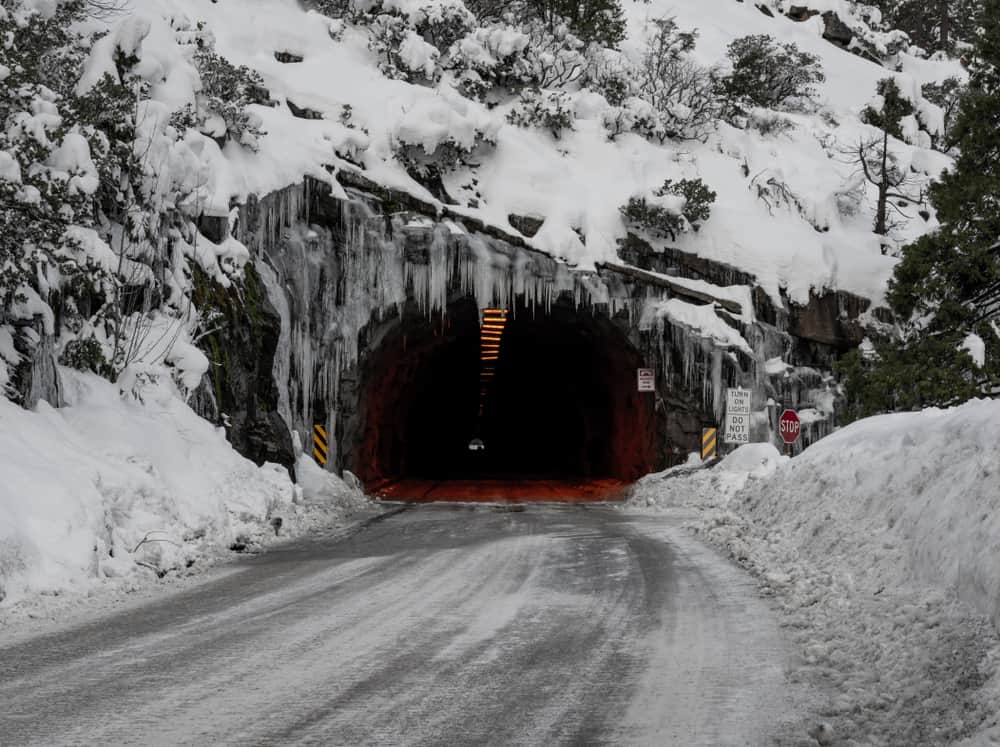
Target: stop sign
column 789, row 426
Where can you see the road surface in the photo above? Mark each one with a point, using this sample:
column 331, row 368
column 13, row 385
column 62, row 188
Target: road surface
column 506, row 490
column 440, row 625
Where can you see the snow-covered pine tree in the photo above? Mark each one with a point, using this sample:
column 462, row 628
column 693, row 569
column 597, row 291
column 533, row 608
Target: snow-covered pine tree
column 878, row 164
column 945, row 292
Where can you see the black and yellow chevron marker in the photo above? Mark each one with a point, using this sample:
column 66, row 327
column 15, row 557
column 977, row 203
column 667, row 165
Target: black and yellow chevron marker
column 320, row 444
column 709, row 450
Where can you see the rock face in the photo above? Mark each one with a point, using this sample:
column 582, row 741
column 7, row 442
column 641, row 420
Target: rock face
column 829, row 319
column 836, row 31
column 352, row 298
column 239, row 391
column 348, row 278
column 36, row 377
column 801, row 13
column 526, row 224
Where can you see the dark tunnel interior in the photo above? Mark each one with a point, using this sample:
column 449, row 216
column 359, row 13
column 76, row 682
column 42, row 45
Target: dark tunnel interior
column 560, row 403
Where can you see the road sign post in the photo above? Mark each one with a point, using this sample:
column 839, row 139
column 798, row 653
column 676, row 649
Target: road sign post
column 789, row 427
column 737, row 416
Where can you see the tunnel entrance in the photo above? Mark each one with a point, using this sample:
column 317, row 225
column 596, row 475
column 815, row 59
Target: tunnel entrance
column 547, row 401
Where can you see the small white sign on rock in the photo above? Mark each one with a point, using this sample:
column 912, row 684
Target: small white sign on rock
column 647, row 380
column 737, row 416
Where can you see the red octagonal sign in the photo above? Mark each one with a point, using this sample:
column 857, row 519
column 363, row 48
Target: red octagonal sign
column 789, row 426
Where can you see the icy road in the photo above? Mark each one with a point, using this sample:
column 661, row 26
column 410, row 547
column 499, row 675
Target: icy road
column 442, row 624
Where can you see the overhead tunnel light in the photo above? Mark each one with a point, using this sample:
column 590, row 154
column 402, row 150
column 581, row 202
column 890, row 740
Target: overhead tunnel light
column 493, row 322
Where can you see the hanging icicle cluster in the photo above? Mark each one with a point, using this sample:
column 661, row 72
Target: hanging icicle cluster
column 350, row 263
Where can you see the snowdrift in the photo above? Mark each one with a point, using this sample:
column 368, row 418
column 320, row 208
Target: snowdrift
column 82, row 487
column 881, row 547
column 910, row 498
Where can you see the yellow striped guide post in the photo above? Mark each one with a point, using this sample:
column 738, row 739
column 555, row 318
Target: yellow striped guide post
column 709, row 449
column 320, row 445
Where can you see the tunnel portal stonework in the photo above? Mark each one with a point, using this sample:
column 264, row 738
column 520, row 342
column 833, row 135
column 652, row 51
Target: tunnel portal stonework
column 366, row 287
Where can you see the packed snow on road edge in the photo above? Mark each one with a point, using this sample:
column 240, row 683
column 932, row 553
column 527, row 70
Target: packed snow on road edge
column 881, row 543
column 117, row 488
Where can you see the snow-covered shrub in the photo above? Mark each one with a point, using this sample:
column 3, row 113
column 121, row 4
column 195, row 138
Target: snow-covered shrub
column 511, row 57
column 333, row 8
column 672, row 209
column 850, row 197
column 555, row 54
column 226, row 92
column 444, row 23
column 408, row 40
column 772, row 189
column 637, row 115
column 438, row 135
column 402, row 53
column 768, row 74
column 549, row 110
column 86, row 354
column 601, row 22
column 611, row 74
column 449, row 154
column 768, row 123
column 681, row 92
column 490, row 57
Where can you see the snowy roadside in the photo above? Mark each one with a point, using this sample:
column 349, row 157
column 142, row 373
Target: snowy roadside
column 117, row 498
column 55, row 609
column 880, row 546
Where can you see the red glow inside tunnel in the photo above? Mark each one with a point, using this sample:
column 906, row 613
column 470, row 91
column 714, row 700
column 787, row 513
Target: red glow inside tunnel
column 561, row 417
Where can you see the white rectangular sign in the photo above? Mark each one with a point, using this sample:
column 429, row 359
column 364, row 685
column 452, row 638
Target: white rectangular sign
column 737, row 416
column 647, row 380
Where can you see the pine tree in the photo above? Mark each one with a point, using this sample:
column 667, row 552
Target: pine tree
column 878, row 163
column 946, row 290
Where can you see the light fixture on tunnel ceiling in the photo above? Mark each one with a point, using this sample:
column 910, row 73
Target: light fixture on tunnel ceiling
column 492, row 323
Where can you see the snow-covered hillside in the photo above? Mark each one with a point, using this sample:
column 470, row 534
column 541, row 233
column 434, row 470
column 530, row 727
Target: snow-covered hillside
column 881, row 544
column 819, row 238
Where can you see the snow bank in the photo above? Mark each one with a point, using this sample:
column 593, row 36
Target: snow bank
column 881, row 544
column 84, row 485
column 692, row 485
column 902, row 499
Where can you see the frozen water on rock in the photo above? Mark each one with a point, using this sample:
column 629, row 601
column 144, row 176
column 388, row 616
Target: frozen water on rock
column 331, row 280
column 342, row 265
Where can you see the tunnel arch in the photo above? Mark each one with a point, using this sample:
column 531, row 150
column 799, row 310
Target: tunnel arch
column 563, row 402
